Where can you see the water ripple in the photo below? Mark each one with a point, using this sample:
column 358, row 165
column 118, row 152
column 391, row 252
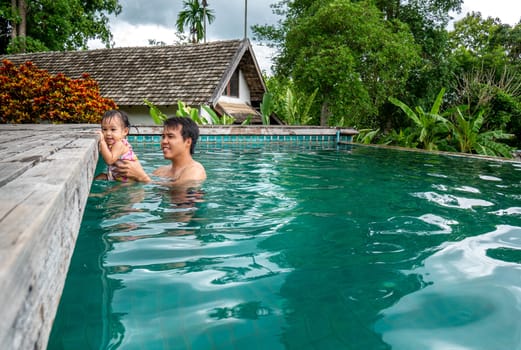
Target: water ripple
column 452, row 201
column 427, row 224
column 468, row 293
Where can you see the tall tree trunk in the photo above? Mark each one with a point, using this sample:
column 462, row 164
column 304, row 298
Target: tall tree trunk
column 14, row 29
column 22, row 27
column 324, row 114
column 19, row 28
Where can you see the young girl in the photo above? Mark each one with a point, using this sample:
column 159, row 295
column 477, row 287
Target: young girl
column 113, row 144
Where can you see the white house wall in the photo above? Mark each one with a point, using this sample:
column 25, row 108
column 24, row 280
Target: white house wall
column 244, row 92
column 138, row 115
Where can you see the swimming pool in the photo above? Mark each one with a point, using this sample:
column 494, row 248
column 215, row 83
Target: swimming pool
column 292, row 248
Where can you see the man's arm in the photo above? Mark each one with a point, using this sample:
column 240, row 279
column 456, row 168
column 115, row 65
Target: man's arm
column 132, row 169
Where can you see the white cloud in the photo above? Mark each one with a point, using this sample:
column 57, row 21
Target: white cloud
column 155, row 20
column 264, row 57
column 508, row 11
column 129, row 35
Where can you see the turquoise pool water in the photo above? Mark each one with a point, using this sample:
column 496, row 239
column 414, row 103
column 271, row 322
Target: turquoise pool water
column 357, row 248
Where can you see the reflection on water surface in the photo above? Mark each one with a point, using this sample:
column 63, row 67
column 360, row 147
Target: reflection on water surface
column 297, row 249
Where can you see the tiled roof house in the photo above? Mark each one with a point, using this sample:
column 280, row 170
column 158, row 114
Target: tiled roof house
column 223, row 75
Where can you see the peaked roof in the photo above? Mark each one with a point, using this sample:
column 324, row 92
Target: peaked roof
column 193, row 73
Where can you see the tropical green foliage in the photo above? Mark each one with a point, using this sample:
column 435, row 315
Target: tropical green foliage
column 366, row 136
column 467, row 133
column 432, row 131
column 498, row 94
column 193, row 113
column 190, row 112
column 296, row 107
column 215, row 119
column 56, row 25
column 267, row 107
column 193, row 16
column 484, row 43
column 292, row 106
column 356, row 54
column 400, row 50
column 407, row 137
column 429, row 125
column 155, row 113
column 352, row 58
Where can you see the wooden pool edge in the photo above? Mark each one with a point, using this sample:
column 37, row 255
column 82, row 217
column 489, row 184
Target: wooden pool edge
column 45, row 178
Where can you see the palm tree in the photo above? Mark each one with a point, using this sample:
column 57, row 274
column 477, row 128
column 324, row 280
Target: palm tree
column 194, row 16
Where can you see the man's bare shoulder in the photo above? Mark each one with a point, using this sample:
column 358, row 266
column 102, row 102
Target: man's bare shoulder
column 193, row 172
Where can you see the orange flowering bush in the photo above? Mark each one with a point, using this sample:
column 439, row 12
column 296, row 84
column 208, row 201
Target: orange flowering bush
column 32, row 95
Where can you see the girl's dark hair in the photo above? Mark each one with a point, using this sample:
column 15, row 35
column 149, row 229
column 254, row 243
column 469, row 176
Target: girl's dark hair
column 189, row 129
column 116, row 113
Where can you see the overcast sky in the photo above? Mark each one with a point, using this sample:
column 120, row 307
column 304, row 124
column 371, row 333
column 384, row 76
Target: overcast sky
column 142, row 20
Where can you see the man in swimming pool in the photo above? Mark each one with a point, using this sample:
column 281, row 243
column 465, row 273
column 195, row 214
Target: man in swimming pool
column 178, row 141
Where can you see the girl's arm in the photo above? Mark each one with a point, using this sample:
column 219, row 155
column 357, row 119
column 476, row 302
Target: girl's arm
column 110, row 155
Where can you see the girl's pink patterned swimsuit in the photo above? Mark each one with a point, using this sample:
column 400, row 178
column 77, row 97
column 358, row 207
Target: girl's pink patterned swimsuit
column 130, row 155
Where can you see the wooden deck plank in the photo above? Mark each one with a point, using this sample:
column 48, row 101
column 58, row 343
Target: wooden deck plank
column 9, row 171
column 44, row 185
column 33, row 151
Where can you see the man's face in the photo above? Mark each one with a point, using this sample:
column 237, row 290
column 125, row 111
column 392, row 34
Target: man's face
column 172, row 143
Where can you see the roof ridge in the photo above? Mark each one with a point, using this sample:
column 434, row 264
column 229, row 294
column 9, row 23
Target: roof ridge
column 164, row 75
column 124, row 48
